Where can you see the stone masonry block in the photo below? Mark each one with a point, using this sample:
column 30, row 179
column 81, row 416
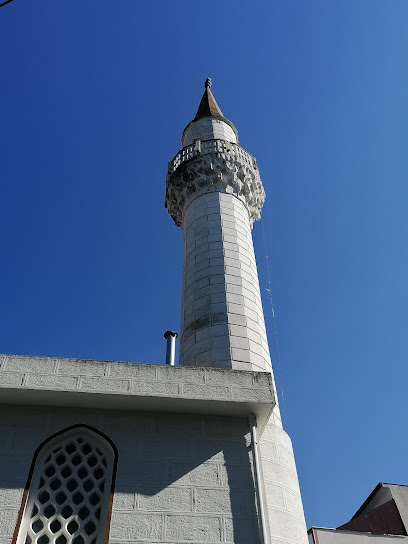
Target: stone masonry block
column 229, row 378
column 240, row 365
column 216, row 279
column 81, row 368
column 181, row 425
column 198, row 391
column 135, row 526
column 214, row 330
column 246, row 393
column 283, row 520
column 10, row 496
column 203, row 345
column 192, row 474
column 218, row 297
column 29, row 440
column 29, row 364
column 233, row 476
column 124, row 500
column 219, row 501
column 165, row 447
column 220, row 342
column 155, row 388
column 91, row 383
column 52, row 381
column 14, row 466
column 183, row 528
column 8, row 519
column 278, row 473
column 148, row 472
column 13, row 379
column 171, row 499
column 235, row 319
column 226, row 451
column 132, row 370
column 239, row 342
column 226, row 427
column 243, row 530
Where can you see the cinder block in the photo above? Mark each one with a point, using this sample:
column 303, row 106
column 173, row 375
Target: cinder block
column 229, row 451
column 229, row 378
column 284, row 519
column 132, row 370
column 239, row 342
column 252, row 394
column 28, row 440
column 178, row 374
column 184, row 528
column 135, row 526
column 218, row 297
column 93, row 383
column 226, row 427
column 220, row 342
column 13, row 379
column 185, row 473
column 10, row 496
column 243, row 530
column 43, row 365
column 199, row 391
column 203, row 345
column 165, row 447
column 236, row 308
column 178, row 425
column 215, row 330
column 233, row 280
column 275, row 472
column 218, row 308
column 124, row 500
column 155, row 388
column 8, row 520
column 235, row 299
column 234, row 476
column 220, row 501
column 214, row 279
column 168, row 499
column 76, row 367
column 241, row 365
column 14, row 466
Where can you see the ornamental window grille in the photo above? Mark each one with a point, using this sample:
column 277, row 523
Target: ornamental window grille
column 69, row 495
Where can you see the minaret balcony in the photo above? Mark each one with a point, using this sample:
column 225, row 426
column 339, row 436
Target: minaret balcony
column 213, row 166
column 204, row 147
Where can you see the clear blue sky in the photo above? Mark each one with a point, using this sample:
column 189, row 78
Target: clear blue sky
column 94, row 97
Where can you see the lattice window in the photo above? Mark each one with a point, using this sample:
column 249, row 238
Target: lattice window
column 69, row 494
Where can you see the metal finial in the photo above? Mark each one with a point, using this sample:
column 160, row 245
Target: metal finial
column 208, row 82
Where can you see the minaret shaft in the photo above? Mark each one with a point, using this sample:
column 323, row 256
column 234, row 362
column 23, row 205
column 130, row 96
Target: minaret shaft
column 222, row 322
column 214, row 193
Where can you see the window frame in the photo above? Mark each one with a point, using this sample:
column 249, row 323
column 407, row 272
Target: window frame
column 108, row 443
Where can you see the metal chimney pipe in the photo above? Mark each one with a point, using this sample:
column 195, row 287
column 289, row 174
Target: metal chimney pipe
column 170, row 336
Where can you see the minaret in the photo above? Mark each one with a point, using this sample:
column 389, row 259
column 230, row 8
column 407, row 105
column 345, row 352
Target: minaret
column 214, row 193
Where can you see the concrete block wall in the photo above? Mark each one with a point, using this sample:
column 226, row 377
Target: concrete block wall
column 208, row 129
column 180, row 478
column 222, row 323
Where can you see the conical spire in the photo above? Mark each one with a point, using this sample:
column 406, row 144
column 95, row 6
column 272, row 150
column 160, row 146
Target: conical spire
column 208, row 106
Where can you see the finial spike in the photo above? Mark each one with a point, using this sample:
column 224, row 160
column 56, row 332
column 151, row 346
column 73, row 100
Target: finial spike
column 208, row 82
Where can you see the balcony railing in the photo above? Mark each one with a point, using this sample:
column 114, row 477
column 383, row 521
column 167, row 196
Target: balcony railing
column 204, row 147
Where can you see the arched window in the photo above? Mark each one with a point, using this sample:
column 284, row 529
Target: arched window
column 69, row 494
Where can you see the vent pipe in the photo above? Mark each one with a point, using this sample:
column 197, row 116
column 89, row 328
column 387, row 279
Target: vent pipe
column 170, row 336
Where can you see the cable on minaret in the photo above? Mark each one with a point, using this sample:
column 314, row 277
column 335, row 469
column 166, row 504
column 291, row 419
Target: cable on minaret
column 269, row 289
